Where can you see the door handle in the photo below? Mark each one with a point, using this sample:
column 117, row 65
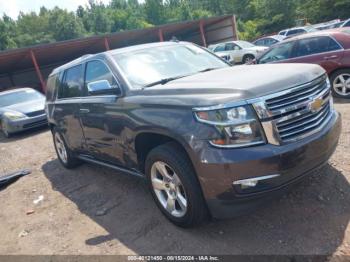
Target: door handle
column 84, row 110
column 330, row 57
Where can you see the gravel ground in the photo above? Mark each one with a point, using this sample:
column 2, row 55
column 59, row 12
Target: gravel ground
column 93, row 210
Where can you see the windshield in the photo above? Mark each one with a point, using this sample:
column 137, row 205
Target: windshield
column 19, row 97
column 150, row 65
column 244, row 44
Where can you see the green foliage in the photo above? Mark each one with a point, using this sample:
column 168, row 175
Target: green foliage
column 255, row 17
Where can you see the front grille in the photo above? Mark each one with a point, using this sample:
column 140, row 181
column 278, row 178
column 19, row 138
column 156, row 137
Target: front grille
column 298, row 112
column 36, row 113
column 35, row 124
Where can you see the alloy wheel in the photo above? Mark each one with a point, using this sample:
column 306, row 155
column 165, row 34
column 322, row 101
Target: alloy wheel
column 341, row 84
column 61, row 149
column 168, row 188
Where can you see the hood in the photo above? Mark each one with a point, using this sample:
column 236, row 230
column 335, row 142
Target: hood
column 26, row 107
column 229, row 84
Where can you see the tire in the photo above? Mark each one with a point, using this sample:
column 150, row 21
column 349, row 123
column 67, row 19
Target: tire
column 338, row 85
column 248, row 58
column 183, row 186
column 5, row 132
column 64, row 154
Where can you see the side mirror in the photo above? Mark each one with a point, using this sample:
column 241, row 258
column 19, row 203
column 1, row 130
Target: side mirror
column 102, row 87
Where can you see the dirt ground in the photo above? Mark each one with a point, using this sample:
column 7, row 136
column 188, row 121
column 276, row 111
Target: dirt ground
column 93, row 210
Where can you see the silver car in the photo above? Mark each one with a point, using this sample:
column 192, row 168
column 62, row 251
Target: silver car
column 237, row 51
column 21, row 109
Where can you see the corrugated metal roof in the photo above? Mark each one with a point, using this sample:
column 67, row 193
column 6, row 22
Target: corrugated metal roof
column 60, row 52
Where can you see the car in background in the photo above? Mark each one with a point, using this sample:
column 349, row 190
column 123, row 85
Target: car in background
column 329, row 49
column 21, row 109
column 297, row 31
column 237, row 51
column 345, row 23
column 328, row 25
column 269, row 40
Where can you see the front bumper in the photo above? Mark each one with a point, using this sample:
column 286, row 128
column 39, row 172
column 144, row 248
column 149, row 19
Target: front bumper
column 217, row 169
column 14, row 126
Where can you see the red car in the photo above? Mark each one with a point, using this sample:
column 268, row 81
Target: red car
column 329, row 49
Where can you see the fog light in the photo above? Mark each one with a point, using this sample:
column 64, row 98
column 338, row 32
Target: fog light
column 252, row 182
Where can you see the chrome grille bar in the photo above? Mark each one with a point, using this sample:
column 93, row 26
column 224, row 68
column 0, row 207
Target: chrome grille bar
column 295, row 113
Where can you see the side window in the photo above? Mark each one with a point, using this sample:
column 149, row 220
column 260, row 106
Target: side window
column 231, row 46
column 280, row 52
column 260, row 42
column 72, row 83
column 219, row 48
column 98, row 78
column 347, row 24
column 270, row 41
column 316, row 45
column 295, row 31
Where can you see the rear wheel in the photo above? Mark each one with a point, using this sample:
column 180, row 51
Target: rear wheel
column 340, row 81
column 64, row 154
column 248, row 59
column 174, row 186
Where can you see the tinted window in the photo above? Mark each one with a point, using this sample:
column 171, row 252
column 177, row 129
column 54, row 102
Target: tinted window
column 282, row 33
column 316, row 45
column 295, row 31
column 347, row 24
column 72, row 83
column 280, row 52
column 97, row 71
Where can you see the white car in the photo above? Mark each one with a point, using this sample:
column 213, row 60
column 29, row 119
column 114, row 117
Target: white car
column 237, row 51
column 297, row 31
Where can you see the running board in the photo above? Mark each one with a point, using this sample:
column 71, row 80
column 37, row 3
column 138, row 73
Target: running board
column 121, row 169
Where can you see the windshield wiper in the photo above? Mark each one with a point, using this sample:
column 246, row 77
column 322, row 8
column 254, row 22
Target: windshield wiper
column 165, row 80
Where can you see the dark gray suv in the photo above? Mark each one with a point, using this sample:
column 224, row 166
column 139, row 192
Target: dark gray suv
column 209, row 139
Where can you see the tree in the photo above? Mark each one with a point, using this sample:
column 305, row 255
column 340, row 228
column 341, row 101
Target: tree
column 65, row 25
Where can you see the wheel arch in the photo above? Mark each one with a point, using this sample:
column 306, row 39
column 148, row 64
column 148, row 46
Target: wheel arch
column 147, row 140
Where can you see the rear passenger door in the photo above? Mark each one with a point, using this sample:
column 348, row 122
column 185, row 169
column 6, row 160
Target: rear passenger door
column 322, row 50
column 66, row 107
column 100, row 113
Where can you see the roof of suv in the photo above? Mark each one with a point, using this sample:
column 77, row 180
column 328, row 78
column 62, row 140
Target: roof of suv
column 111, row 52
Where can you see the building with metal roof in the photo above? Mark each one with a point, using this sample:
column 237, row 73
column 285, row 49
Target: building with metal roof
column 30, row 66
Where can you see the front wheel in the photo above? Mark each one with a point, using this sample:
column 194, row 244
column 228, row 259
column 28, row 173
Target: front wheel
column 174, row 185
column 340, row 81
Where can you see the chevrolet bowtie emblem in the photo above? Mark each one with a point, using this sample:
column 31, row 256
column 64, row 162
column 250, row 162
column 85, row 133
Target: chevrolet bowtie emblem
column 316, row 104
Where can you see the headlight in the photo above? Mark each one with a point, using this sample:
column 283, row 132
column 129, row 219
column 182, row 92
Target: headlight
column 237, row 127
column 13, row 115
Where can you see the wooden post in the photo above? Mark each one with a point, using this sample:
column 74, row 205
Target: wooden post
column 234, row 28
column 201, row 29
column 106, row 44
column 160, row 35
column 38, row 72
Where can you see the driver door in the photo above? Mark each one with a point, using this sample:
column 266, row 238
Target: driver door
column 100, row 113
